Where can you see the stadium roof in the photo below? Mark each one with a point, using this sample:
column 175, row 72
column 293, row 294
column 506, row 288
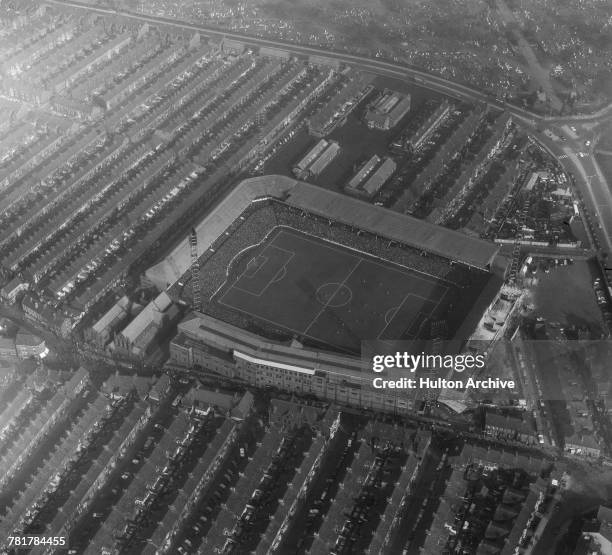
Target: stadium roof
column 393, row 225
column 169, row 271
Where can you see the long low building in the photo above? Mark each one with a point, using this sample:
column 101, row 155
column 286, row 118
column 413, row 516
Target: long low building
column 138, row 336
column 371, row 177
column 388, row 111
column 365, row 171
column 325, row 159
column 430, row 125
column 101, row 332
column 312, row 155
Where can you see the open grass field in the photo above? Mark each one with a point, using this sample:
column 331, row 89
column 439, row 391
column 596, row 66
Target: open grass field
column 314, row 289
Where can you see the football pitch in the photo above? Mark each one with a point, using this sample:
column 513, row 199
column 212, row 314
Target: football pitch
column 318, row 290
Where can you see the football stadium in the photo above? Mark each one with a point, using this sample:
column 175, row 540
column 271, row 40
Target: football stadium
column 287, row 261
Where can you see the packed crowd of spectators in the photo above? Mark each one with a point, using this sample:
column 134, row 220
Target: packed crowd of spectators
column 247, row 231
column 363, row 241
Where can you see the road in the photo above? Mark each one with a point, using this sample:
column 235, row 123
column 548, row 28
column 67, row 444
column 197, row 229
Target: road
column 377, row 66
column 599, row 193
column 589, row 178
column 61, row 347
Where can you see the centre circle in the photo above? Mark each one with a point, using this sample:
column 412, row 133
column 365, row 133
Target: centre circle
column 334, row 294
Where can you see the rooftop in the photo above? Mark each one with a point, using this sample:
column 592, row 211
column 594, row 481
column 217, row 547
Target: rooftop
column 27, row 339
column 150, row 314
column 117, row 311
column 206, row 397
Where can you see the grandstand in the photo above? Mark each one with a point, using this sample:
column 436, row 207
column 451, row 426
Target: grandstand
column 168, row 271
column 394, row 226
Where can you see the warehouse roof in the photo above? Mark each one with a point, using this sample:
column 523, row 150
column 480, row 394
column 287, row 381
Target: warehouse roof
column 118, row 311
column 152, row 313
column 393, row 225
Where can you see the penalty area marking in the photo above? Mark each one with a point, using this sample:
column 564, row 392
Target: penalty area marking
column 278, row 275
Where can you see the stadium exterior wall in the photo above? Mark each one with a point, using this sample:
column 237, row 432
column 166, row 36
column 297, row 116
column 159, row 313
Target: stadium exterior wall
column 207, row 343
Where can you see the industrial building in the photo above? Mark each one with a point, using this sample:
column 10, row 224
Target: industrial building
column 371, row 177
column 388, row 110
column 364, row 172
column 311, row 155
column 326, row 157
column 317, row 159
column 102, row 332
column 139, row 335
